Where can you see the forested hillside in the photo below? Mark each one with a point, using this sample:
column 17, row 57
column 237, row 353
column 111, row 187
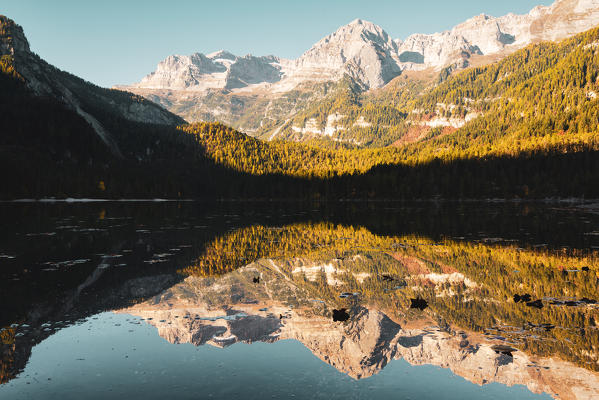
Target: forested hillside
column 536, row 136
column 564, row 168
column 344, row 117
column 62, row 136
column 243, row 153
column 544, row 89
column 540, row 97
column 49, row 150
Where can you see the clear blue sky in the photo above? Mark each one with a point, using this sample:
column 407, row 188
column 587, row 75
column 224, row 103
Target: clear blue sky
column 119, row 41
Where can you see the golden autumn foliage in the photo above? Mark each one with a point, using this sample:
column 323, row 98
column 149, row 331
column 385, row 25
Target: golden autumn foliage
column 478, row 298
column 7, row 348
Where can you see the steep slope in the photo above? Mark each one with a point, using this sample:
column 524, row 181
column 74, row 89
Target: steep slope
column 252, row 109
column 258, row 94
column 541, row 90
column 361, row 50
column 541, row 96
column 220, row 70
column 345, row 117
column 270, row 97
column 84, row 98
column 62, row 136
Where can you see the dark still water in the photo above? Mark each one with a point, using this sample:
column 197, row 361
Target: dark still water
column 253, row 301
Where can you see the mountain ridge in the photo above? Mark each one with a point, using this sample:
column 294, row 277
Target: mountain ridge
column 516, row 120
column 45, row 80
column 480, row 35
column 261, row 96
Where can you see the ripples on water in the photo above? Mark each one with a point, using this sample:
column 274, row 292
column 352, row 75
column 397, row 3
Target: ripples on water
column 188, row 300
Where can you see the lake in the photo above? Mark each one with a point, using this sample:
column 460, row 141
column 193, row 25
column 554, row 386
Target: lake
column 192, row 300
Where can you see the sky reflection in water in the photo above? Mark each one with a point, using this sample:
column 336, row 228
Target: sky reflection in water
column 163, row 301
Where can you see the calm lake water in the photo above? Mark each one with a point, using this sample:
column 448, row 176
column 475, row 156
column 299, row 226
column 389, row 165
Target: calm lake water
column 252, row 301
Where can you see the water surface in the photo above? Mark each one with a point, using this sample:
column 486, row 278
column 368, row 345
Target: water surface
column 190, row 300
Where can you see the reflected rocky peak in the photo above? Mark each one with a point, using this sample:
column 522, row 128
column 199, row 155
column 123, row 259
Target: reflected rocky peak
column 346, row 306
column 489, row 310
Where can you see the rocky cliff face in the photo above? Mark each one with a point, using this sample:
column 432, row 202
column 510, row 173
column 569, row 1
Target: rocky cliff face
column 360, row 49
column 220, row 70
column 365, row 51
column 487, row 35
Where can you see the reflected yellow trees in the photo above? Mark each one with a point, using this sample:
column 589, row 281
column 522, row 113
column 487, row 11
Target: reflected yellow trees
column 7, row 357
column 468, row 285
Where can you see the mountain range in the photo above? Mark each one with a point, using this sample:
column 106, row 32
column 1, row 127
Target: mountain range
column 364, row 115
column 44, row 80
column 61, row 134
column 259, row 94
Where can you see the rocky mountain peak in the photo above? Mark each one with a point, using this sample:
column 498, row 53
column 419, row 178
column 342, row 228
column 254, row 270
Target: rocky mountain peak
column 360, row 49
column 485, row 34
column 476, row 21
column 82, row 97
column 361, row 30
column 222, row 55
column 12, row 37
column 365, row 52
column 364, row 26
column 218, row 70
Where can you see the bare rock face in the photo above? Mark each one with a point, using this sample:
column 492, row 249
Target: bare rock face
column 183, row 72
column 424, row 51
column 365, row 52
column 220, row 70
column 487, row 35
column 360, row 49
column 258, row 95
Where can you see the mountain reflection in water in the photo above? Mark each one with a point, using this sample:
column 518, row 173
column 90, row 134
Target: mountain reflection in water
column 347, row 294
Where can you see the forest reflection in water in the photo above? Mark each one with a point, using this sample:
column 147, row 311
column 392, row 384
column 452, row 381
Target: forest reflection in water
column 491, row 308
